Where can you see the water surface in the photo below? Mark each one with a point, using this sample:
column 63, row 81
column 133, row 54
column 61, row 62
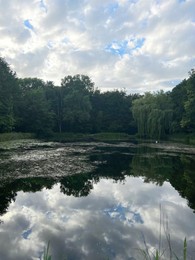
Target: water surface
column 96, row 200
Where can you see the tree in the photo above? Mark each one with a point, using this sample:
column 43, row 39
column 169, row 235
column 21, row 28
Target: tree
column 34, row 114
column 188, row 118
column 76, row 102
column 111, row 112
column 56, row 101
column 8, row 93
column 79, row 82
column 153, row 114
column 178, row 96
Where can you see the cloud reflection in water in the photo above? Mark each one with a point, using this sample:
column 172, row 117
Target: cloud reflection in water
column 109, row 222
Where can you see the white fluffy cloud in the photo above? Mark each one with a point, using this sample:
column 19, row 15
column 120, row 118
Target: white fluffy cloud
column 133, row 44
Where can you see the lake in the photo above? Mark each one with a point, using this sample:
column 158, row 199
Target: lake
column 96, row 200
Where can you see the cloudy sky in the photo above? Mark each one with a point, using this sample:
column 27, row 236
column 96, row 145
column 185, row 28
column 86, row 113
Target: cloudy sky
column 137, row 45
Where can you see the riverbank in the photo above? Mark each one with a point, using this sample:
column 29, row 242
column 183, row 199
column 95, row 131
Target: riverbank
column 188, row 139
column 99, row 137
column 182, row 138
column 15, row 136
column 71, row 137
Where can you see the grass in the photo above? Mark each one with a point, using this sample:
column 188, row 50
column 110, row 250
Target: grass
column 15, row 136
column 163, row 253
column 46, row 255
column 183, row 138
column 111, row 137
column 98, row 137
column 158, row 255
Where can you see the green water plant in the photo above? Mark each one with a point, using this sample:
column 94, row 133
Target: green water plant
column 46, row 254
column 160, row 253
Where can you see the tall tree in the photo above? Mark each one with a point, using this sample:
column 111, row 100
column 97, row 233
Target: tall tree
column 35, row 114
column 8, row 93
column 111, row 112
column 188, row 118
column 178, row 96
column 76, row 102
column 153, row 114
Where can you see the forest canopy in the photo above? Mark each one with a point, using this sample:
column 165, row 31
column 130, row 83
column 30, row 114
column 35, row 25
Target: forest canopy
column 33, row 105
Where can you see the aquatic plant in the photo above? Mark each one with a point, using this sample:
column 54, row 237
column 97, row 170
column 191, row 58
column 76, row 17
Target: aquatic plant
column 46, row 255
column 159, row 253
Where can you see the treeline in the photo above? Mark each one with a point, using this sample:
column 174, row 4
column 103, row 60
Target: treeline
column 32, row 105
column 160, row 114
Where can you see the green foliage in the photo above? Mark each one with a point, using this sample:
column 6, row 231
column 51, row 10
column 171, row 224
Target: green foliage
column 162, row 253
column 111, row 112
column 34, row 109
column 15, row 136
column 178, row 97
column 153, row 114
column 79, row 82
column 188, row 118
column 75, row 102
column 8, row 92
column 185, row 249
column 182, row 137
column 46, row 255
column 102, row 137
column 77, row 109
column 111, row 137
column 28, row 84
column 32, row 105
column 158, row 256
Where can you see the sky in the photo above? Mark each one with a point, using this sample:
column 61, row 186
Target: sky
column 132, row 45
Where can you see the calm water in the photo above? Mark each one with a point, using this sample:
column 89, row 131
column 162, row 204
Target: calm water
column 96, row 201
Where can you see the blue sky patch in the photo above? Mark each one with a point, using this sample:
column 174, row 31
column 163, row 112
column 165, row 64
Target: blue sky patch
column 139, row 42
column 27, row 233
column 65, row 40
column 126, row 46
column 117, row 47
column 175, row 82
column 111, row 8
column 28, row 24
column 50, row 44
column 43, row 6
column 124, row 214
column 133, row 1
column 171, row 83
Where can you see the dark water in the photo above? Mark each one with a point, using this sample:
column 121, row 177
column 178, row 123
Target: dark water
column 96, row 201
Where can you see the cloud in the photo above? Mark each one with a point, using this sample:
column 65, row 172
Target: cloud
column 137, row 45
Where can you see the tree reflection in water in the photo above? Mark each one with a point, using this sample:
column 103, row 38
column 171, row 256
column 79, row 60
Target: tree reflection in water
column 115, row 163
column 99, row 207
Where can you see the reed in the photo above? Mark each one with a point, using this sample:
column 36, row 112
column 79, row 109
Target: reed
column 46, row 255
column 162, row 253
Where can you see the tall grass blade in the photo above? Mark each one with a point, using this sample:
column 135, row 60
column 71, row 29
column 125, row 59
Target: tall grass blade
column 160, row 230
column 157, row 256
column 146, row 248
column 185, row 249
column 46, row 255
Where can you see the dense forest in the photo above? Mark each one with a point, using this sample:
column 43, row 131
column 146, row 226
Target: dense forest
column 32, row 105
